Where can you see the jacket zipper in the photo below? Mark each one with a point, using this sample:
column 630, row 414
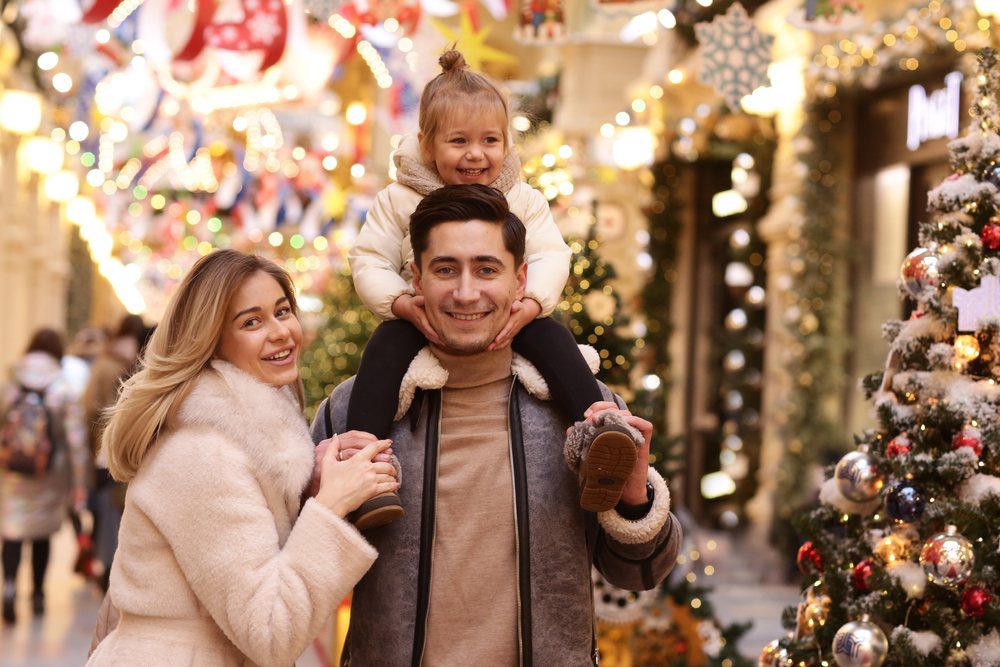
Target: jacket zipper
column 427, row 518
column 519, row 474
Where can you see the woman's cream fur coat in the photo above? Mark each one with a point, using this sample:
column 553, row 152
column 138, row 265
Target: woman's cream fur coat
column 210, row 569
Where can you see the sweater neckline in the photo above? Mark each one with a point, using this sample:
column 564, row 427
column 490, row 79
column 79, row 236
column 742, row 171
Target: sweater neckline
column 474, row 370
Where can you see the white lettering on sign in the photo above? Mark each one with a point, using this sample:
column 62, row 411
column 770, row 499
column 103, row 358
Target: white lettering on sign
column 936, row 115
column 977, row 305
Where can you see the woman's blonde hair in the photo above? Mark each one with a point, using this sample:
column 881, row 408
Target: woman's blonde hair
column 180, row 349
column 457, row 89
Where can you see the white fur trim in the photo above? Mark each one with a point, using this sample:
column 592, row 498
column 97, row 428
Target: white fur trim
column 646, row 528
column 426, row 372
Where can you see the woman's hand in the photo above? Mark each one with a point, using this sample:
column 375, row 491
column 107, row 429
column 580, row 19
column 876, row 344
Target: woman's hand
column 345, row 484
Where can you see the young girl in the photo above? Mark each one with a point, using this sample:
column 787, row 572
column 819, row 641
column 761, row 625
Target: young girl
column 464, row 137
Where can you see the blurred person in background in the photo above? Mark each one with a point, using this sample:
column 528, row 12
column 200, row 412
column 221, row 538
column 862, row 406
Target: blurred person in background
column 43, row 457
column 86, row 345
column 112, row 367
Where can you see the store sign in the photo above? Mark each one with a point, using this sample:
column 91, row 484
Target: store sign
column 935, row 115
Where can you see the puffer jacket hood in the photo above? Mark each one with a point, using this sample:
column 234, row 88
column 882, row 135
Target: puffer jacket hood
column 36, row 370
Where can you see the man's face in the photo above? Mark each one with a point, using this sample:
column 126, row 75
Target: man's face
column 468, row 280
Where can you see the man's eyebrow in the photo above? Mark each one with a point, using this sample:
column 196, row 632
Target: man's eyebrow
column 253, row 309
column 479, row 259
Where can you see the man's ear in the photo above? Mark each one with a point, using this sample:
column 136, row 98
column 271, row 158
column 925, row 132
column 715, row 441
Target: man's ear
column 522, row 279
column 415, row 271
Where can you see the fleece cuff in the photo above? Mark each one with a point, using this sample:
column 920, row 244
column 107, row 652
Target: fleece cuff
column 645, row 529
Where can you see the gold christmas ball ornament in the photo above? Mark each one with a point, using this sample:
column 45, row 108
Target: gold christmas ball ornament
column 773, row 655
column 966, row 348
column 891, row 548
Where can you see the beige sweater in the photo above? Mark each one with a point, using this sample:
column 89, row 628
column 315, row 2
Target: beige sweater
column 475, row 554
column 210, row 569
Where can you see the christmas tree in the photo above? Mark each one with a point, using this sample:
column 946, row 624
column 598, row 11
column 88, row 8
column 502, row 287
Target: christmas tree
column 902, row 562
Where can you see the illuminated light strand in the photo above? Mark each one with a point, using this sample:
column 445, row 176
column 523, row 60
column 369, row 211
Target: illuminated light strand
column 344, row 27
column 375, row 64
column 106, row 153
column 122, row 12
column 128, row 172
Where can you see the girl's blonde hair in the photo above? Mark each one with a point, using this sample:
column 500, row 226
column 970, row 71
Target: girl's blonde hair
column 457, row 89
column 180, row 349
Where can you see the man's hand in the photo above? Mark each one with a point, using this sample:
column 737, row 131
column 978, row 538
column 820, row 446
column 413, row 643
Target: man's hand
column 634, row 491
column 411, row 308
column 350, row 443
column 522, row 311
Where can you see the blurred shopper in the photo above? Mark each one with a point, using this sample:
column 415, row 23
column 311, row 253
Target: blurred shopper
column 42, row 462
column 219, row 562
column 111, row 368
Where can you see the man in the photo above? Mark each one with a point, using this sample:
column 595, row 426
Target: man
column 491, row 563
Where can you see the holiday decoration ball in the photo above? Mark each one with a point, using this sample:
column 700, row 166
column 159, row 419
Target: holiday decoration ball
column 898, row 446
column 772, row 655
column 947, row 558
column 990, row 236
column 861, row 573
column 919, row 271
column 858, row 477
column 809, row 559
column 905, row 502
column 970, row 437
column 860, row 644
column 975, row 600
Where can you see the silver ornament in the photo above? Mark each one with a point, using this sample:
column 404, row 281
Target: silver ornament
column 947, row 558
column 919, row 271
column 860, row 644
column 858, row 477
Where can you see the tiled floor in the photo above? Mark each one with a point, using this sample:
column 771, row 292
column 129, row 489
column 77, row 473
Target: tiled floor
column 62, row 637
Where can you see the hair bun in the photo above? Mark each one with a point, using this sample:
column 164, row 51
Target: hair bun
column 451, row 61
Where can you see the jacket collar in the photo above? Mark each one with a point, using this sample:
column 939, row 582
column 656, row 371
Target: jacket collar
column 426, row 372
column 266, row 422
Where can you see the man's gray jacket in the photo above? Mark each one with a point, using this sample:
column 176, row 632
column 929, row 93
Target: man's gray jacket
column 557, row 541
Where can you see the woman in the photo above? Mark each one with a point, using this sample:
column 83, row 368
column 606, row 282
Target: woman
column 211, row 439
column 38, row 404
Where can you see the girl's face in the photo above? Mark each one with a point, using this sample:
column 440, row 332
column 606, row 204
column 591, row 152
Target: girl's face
column 261, row 335
column 469, row 150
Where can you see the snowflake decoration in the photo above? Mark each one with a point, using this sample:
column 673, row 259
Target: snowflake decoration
column 262, row 29
column 735, row 55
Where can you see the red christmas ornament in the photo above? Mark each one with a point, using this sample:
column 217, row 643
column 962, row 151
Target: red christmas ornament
column 970, row 437
column 990, row 235
column 975, row 600
column 861, row 574
column 916, row 315
column 901, row 444
column 809, row 559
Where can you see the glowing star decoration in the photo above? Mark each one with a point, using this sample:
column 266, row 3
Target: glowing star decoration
column 735, row 55
column 472, row 42
column 977, row 305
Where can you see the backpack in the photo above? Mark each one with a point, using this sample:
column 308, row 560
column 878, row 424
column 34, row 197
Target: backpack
column 27, row 434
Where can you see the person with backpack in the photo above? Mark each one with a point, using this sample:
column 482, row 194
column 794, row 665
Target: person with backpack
column 43, row 458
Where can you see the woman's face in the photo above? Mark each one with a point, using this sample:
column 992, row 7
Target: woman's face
column 261, row 335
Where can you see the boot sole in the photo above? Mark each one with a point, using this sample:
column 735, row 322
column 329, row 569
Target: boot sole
column 378, row 511
column 609, row 463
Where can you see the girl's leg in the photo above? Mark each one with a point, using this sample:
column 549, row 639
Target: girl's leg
column 375, row 396
column 551, row 349
column 10, row 553
column 40, row 550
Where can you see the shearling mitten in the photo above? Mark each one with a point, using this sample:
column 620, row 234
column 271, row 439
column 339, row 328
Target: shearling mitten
column 582, row 434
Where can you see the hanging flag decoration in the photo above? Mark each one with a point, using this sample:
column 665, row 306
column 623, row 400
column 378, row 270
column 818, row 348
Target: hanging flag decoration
column 541, row 22
column 735, row 55
column 264, row 28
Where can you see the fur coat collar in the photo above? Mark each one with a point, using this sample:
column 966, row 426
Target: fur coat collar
column 267, row 423
column 426, row 372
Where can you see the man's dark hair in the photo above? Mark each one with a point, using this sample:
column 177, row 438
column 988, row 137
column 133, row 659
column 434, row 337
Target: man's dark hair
column 461, row 203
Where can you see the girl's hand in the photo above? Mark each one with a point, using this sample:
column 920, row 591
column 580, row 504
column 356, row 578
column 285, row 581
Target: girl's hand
column 344, row 485
column 522, row 312
column 411, row 308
